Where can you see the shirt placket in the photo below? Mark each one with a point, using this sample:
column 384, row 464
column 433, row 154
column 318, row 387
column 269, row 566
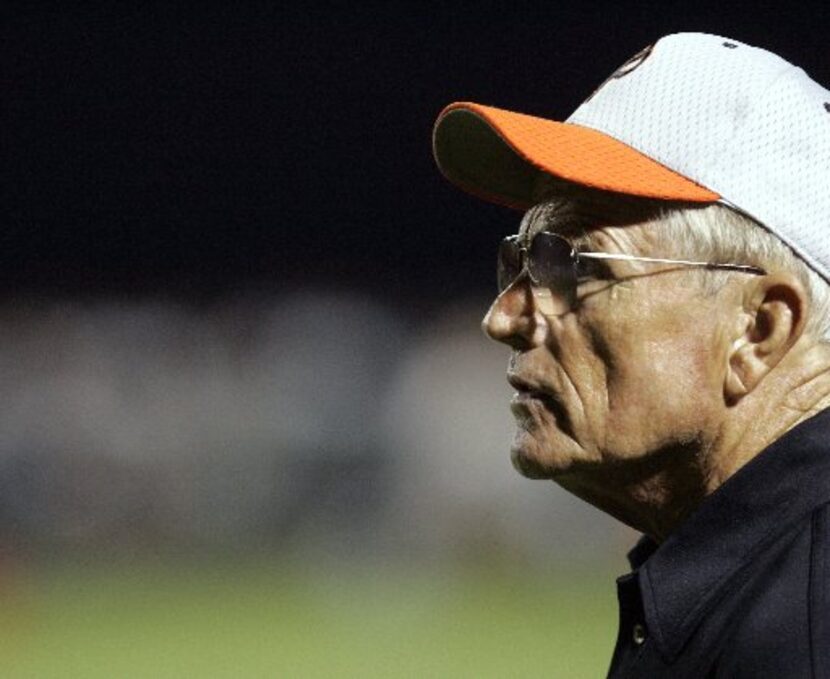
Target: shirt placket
column 632, row 636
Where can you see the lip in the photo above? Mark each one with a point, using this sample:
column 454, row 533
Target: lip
column 527, row 391
column 523, row 397
column 525, row 388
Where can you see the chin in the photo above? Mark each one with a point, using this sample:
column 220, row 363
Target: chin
column 528, row 466
column 540, row 460
column 528, row 462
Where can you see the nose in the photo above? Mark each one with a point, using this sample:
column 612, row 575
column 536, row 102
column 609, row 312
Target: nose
column 511, row 317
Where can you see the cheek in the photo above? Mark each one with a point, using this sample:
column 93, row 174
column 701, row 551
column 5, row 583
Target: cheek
column 659, row 389
column 685, row 356
column 584, row 355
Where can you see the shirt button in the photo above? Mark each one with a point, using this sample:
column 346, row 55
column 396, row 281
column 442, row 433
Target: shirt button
column 638, row 634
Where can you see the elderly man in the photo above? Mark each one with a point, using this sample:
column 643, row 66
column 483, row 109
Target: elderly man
column 667, row 305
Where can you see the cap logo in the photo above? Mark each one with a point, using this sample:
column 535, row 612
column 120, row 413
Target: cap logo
column 628, row 67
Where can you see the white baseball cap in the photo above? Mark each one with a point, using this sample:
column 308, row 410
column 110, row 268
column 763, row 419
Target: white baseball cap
column 694, row 117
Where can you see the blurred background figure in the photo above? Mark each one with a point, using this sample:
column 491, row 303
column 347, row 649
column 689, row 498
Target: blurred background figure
column 319, row 421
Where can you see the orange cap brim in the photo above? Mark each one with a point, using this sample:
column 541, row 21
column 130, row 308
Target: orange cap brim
column 499, row 156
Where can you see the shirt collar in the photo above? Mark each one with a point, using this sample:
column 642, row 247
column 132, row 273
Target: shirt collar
column 640, row 553
column 682, row 578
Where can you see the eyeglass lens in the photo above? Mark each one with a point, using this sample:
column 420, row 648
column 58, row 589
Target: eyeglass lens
column 549, row 262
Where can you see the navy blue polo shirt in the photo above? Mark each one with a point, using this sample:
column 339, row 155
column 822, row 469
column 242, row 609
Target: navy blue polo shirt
column 742, row 588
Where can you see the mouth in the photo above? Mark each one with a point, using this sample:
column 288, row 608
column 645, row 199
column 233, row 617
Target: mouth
column 527, row 393
column 527, row 390
column 524, row 398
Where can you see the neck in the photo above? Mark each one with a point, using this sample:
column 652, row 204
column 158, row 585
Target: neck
column 792, row 393
column 652, row 494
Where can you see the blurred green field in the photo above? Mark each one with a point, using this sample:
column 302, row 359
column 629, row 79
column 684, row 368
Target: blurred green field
column 265, row 619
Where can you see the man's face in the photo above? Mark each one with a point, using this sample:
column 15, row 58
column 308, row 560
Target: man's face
column 633, row 368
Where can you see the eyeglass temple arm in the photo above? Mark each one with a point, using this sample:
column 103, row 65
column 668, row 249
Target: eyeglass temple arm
column 708, row 265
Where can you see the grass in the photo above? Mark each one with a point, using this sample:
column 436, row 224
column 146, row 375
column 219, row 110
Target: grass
column 263, row 619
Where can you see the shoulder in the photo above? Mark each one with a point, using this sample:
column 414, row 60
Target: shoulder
column 782, row 620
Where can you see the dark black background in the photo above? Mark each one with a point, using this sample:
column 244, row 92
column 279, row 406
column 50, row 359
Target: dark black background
column 201, row 150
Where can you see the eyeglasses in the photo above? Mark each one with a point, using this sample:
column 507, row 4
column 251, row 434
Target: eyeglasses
column 552, row 262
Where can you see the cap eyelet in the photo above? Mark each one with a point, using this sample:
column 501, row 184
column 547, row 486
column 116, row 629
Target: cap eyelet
column 827, row 106
column 730, row 45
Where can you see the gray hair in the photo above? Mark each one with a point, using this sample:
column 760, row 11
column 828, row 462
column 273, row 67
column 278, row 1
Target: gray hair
column 717, row 233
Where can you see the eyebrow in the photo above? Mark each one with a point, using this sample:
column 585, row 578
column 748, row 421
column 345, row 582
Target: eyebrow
column 558, row 217
column 570, row 226
column 576, row 215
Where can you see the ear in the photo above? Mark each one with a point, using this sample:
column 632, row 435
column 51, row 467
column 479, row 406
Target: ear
column 773, row 320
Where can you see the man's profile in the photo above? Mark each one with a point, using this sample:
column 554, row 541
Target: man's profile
column 667, row 305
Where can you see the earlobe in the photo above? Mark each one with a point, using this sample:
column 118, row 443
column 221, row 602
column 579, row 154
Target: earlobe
column 734, row 388
column 744, row 372
column 775, row 309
